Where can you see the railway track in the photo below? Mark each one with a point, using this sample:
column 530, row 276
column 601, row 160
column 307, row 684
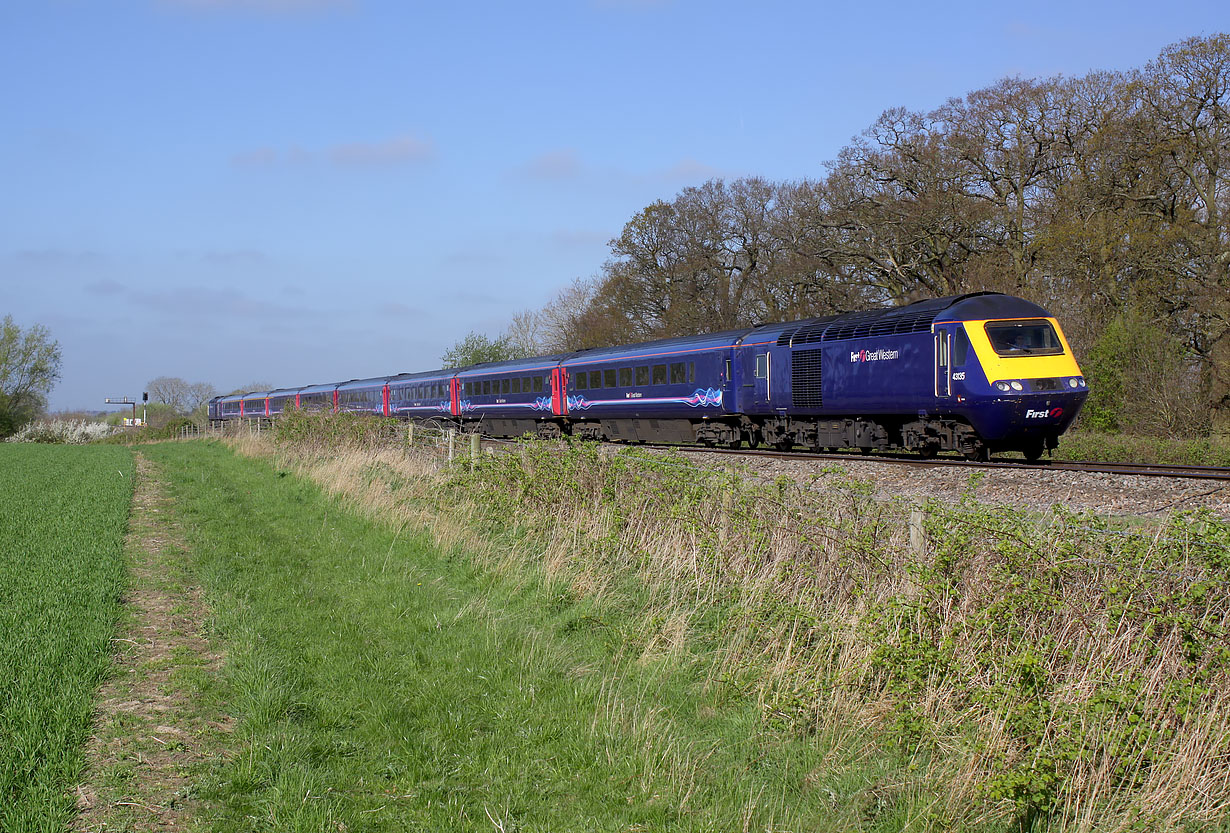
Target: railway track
column 1134, row 469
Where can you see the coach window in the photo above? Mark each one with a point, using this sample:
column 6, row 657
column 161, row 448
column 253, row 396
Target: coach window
column 506, row 386
column 486, row 387
column 595, row 378
column 659, row 374
column 608, row 378
column 642, row 375
column 679, row 373
column 580, row 381
column 762, row 366
column 625, row 377
column 537, row 384
column 960, row 347
column 516, row 384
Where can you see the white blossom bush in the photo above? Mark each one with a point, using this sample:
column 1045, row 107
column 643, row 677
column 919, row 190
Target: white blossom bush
column 69, row 431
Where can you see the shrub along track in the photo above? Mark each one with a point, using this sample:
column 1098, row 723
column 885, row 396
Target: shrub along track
column 156, row 728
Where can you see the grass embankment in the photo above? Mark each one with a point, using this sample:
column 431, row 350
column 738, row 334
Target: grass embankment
column 63, row 515
column 1001, row 673
column 1127, row 448
column 383, row 681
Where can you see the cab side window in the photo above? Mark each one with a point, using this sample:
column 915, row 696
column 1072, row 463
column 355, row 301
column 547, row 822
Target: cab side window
column 960, row 347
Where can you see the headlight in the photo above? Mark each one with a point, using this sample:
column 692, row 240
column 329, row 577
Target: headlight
column 1017, row 386
column 1074, row 383
column 1003, row 386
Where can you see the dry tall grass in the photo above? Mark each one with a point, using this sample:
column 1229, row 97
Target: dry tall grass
column 1048, row 672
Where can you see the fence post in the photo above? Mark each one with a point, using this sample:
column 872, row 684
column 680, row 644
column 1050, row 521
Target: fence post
column 409, row 434
column 918, row 539
column 452, row 442
column 475, row 446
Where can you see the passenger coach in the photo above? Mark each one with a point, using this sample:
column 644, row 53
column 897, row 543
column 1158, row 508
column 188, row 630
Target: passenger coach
column 972, row 373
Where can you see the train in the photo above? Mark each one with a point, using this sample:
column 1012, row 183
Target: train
column 977, row 373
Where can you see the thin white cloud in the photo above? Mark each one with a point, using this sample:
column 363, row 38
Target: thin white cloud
column 566, row 165
column 106, row 287
column 395, row 151
column 397, row 309
column 690, row 170
column 264, row 6
column 630, row 5
column 58, row 257
column 241, row 257
column 406, row 149
column 579, row 238
column 209, row 302
column 555, row 165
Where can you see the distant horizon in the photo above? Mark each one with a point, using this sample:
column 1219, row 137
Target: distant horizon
column 358, row 185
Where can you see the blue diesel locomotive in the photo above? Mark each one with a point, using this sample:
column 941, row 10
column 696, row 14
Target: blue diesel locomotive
column 974, row 373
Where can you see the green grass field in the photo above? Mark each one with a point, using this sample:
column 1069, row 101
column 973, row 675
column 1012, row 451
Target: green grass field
column 380, row 684
column 63, row 516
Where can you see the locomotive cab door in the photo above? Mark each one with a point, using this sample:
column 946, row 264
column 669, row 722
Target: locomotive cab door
column 943, row 361
column 760, row 379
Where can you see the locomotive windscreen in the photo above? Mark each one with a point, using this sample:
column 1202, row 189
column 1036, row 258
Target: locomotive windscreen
column 1024, row 338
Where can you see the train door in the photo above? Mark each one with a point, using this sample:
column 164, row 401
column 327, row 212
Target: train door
column 384, row 398
column 559, row 391
column 943, row 361
column 454, row 396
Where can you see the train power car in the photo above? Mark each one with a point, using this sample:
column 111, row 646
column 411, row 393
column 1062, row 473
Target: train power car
column 974, row 373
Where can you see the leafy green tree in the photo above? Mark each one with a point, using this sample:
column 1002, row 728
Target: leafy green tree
column 30, row 363
column 477, row 348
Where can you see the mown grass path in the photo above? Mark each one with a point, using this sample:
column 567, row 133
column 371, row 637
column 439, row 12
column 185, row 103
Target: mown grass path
column 63, row 515
column 159, row 723
column 379, row 684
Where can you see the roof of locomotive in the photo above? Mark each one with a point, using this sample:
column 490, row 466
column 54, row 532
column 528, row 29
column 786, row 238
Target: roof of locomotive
column 909, row 318
column 989, row 305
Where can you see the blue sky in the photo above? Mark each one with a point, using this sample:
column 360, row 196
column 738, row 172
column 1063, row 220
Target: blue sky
column 300, row 191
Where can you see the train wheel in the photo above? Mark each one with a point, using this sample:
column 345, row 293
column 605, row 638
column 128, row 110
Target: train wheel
column 753, row 439
column 1033, row 451
column 978, row 454
column 784, row 444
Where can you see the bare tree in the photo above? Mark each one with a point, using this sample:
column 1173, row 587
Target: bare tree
column 169, row 390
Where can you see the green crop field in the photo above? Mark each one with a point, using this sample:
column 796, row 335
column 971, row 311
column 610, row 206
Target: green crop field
column 63, row 516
